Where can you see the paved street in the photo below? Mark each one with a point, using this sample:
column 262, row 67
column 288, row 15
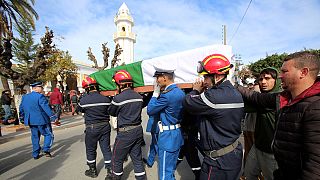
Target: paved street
column 69, row 161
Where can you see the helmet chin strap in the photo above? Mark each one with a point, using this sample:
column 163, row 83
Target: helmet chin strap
column 213, row 80
column 123, row 87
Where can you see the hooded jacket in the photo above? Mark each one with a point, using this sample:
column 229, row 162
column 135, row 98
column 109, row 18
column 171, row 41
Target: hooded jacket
column 56, row 97
column 265, row 124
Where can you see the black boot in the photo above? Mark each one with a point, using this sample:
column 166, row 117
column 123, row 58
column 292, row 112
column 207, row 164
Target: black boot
column 109, row 172
column 92, row 171
column 112, row 177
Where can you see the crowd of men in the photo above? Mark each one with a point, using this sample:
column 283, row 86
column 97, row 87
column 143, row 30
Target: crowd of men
column 205, row 119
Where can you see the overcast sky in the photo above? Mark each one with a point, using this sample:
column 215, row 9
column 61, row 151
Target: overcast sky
column 168, row 26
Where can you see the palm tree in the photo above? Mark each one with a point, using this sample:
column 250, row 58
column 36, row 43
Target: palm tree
column 11, row 11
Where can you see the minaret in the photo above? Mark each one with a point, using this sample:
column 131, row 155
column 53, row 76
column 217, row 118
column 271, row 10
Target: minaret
column 124, row 35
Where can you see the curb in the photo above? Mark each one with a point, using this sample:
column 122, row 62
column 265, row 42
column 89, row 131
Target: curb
column 26, row 132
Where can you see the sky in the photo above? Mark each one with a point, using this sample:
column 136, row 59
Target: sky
column 166, row 26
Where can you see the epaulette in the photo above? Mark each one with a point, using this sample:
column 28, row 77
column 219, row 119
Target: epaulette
column 166, row 91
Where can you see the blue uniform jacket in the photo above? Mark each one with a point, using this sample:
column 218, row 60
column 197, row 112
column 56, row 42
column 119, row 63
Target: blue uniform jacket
column 152, row 125
column 35, row 109
column 169, row 106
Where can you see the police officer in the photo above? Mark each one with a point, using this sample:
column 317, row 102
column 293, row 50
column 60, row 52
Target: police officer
column 168, row 106
column 220, row 109
column 95, row 108
column 127, row 107
column 37, row 114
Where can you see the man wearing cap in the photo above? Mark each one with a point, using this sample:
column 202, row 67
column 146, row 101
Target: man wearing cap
column 168, row 106
column 220, row 109
column 37, row 115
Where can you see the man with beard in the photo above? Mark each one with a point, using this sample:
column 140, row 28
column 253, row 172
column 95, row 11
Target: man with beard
column 297, row 136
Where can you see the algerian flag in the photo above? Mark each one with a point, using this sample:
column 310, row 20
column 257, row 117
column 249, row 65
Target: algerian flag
column 185, row 65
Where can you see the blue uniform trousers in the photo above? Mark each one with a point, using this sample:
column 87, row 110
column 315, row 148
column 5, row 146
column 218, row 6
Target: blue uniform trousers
column 167, row 164
column 128, row 142
column 94, row 134
column 36, row 132
column 153, row 149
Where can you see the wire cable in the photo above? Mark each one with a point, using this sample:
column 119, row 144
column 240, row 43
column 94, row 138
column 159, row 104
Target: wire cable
column 240, row 22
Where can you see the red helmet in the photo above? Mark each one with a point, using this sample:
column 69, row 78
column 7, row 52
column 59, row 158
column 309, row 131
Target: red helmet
column 214, row 64
column 122, row 77
column 88, row 81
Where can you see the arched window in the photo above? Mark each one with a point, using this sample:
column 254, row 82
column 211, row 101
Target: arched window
column 123, row 29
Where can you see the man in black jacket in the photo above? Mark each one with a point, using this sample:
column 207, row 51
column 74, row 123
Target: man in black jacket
column 297, row 136
column 220, row 109
column 260, row 157
column 95, row 108
column 127, row 107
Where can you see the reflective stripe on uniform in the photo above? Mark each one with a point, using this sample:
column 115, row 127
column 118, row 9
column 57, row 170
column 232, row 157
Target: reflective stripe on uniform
column 126, row 101
column 91, row 161
column 194, row 169
column 139, row 174
column 107, row 162
column 95, row 104
column 118, row 174
column 220, row 106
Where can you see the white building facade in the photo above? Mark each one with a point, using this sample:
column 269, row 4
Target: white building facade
column 124, row 35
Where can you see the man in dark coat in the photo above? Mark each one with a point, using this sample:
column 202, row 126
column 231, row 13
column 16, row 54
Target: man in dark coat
column 297, row 135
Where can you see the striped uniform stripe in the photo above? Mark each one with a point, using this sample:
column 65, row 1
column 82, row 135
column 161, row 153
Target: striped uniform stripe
column 91, row 161
column 139, row 174
column 126, row 101
column 164, row 165
column 221, row 106
column 118, row 174
column 95, row 104
column 194, row 169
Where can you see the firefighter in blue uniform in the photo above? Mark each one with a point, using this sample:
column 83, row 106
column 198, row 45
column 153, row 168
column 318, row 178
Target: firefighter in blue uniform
column 152, row 127
column 95, row 108
column 220, row 109
column 127, row 107
column 168, row 106
column 37, row 114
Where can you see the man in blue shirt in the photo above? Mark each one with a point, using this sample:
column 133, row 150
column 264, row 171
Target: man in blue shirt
column 168, row 106
column 38, row 115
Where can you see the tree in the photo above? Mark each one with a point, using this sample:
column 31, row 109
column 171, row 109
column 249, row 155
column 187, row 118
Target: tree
column 38, row 67
column 11, row 11
column 105, row 52
column 24, row 47
column 60, row 65
column 274, row 60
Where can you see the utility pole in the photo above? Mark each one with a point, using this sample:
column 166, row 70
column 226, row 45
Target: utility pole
column 224, row 34
column 238, row 63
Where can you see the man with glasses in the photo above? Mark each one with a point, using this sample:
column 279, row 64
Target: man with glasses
column 220, row 109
